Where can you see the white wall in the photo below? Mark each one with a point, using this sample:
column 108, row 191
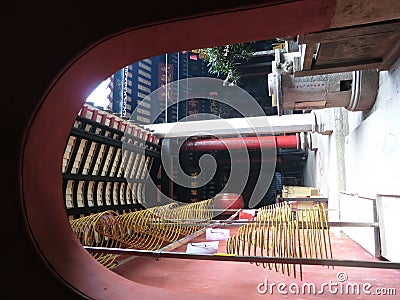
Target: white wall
column 372, row 150
column 354, row 208
column 389, row 226
column 372, row 167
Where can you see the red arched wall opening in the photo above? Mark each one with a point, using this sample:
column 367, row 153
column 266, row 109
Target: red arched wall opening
column 50, row 125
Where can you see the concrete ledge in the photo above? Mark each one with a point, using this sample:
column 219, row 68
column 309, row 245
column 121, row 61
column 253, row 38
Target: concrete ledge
column 355, row 208
column 388, row 207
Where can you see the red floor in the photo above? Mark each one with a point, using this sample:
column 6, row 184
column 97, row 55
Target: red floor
column 240, row 280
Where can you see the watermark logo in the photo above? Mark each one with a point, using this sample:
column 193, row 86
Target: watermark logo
column 341, row 276
column 232, row 97
column 340, row 286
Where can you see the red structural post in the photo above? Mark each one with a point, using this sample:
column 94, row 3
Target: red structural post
column 251, row 143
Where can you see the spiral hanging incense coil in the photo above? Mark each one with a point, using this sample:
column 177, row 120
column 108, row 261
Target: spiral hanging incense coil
column 187, row 215
column 281, row 232
column 147, row 229
column 95, row 230
column 150, row 228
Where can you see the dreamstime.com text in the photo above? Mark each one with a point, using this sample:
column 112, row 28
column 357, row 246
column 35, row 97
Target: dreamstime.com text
column 340, row 287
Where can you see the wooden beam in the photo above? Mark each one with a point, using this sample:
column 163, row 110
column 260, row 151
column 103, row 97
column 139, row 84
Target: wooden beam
column 308, row 56
column 334, row 35
column 371, row 64
column 391, row 56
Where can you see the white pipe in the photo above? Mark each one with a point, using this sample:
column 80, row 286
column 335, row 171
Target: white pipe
column 234, row 126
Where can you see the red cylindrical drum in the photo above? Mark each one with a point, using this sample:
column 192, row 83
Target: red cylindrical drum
column 225, row 201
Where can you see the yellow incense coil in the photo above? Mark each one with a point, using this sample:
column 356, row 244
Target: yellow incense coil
column 94, row 230
column 147, row 229
column 281, row 231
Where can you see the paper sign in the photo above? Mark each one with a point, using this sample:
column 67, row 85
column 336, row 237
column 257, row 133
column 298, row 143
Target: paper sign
column 217, row 234
column 202, row 248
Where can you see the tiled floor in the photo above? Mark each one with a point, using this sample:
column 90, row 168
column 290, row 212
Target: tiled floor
column 241, row 280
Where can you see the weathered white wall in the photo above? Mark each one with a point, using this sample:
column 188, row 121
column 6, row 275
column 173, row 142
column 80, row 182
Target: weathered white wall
column 355, row 208
column 389, row 225
column 372, row 149
column 372, row 167
column 362, row 157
